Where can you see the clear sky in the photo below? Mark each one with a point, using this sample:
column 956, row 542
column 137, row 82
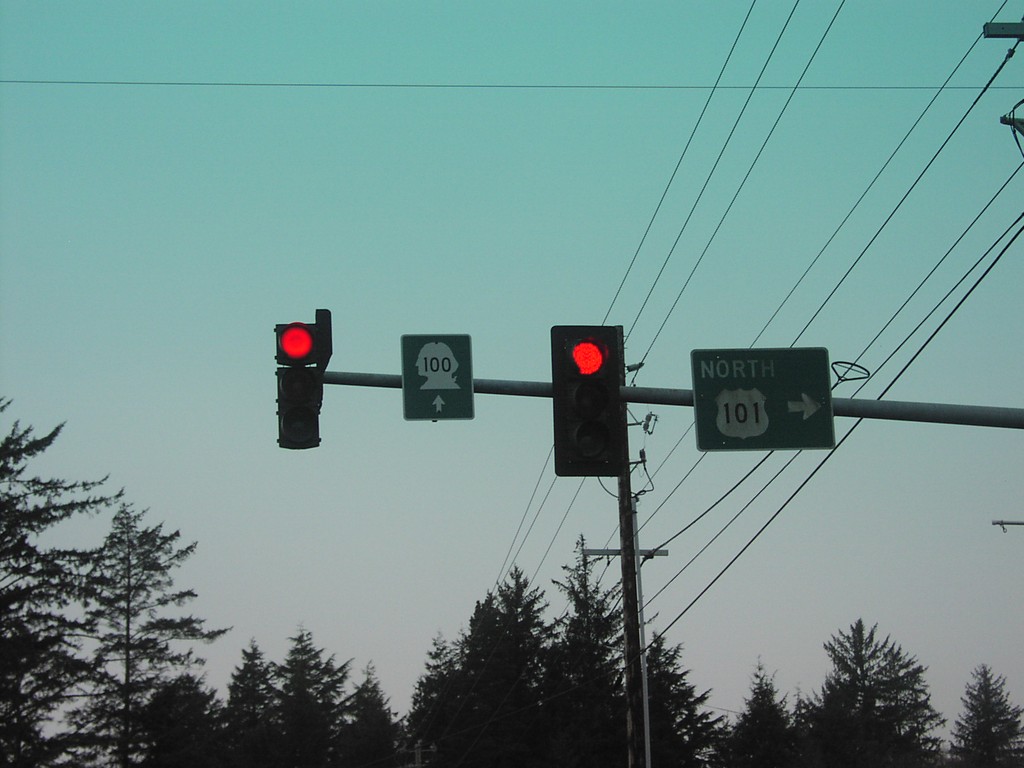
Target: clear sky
column 178, row 177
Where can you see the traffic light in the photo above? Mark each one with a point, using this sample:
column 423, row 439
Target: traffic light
column 303, row 351
column 590, row 420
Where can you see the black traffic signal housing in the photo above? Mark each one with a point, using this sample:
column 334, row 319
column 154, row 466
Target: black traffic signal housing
column 303, row 351
column 589, row 415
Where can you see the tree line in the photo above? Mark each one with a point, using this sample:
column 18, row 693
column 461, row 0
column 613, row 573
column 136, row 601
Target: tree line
column 99, row 667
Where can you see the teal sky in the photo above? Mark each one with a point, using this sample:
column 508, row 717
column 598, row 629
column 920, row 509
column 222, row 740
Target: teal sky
column 178, row 177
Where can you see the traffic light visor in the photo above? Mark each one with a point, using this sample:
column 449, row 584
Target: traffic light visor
column 588, row 356
column 296, row 341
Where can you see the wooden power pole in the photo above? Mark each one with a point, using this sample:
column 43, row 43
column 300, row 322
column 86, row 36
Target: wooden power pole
column 631, row 624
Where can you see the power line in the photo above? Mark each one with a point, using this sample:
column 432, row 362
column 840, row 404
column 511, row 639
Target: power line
column 468, row 86
column 900, row 346
column 686, row 148
column 497, row 715
column 842, row 441
column 903, row 370
column 707, row 181
column 856, row 261
column 732, row 520
column 935, row 268
column 958, row 240
column 750, row 170
column 867, row 189
column 842, row 223
column 959, row 303
column 721, row 221
column 502, row 572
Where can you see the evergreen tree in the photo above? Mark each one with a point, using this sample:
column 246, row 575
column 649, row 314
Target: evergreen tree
column 138, row 645
column 249, row 714
column 181, row 726
column 435, row 699
column 371, row 736
column 586, row 708
column 486, row 693
column 683, row 733
column 311, row 706
column 763, row 736
column 503, row 658
column 41, row 587
column 874, row 708
column 988, row 733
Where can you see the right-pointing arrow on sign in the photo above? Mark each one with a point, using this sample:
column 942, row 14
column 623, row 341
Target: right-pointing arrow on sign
column 805, row 405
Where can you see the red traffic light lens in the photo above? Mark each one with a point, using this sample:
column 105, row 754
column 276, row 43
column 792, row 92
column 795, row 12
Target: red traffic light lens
column 297, row 341
column 588, row 356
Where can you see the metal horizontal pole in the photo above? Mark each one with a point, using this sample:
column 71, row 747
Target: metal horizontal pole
column 894, row 410
column 348, row 379
column 482, row 386
column 935, row 413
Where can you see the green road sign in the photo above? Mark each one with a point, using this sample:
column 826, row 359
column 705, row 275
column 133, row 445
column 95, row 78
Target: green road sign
column 437, row 377
column 762, row 399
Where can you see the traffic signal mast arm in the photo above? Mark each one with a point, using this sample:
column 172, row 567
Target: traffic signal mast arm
column 895, row 410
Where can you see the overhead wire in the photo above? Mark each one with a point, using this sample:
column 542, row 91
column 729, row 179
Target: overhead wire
column 803, row 484
column 948, row 293
column 750, row 169
column 508, row 86
column 657, row 209
column 907, row 194
column 729, row 523
column 936, row 267
column 944, row 87
column 495, row 716
column 845, row 437
column 746, row 176
column 564, row 516
column 860, row 199
column 867, row 189
column 502, row 572
column 906, row 340
column 931, row 272
column 467, row 86
column 729, row 207
column 679, row 162
column 707, row 179
column 887, row 324
column 956, row 242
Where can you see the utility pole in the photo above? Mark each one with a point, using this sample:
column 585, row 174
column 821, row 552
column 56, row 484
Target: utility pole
column 1011, row 31
column 630, row 603
column 631, row 622
column 644, row 554
column 417, row 752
